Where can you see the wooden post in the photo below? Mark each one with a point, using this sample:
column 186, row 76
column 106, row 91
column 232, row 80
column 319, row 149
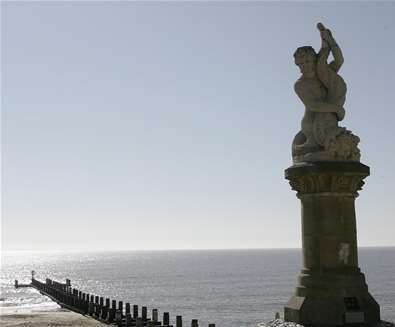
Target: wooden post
column 91, row 308
column 179, row 321
column 97, row 306
column 128, row 318
column 92, row 298
column 103, row 313
column 194, row 323
column 101, row 301
column 211, row 325
column 155, row 315
column 85, row 304
column 16, row 283
column 135, row 311
column 104, row 310
column 114, row 304
column 166, row 319
column 120, row 307
column 144, row 313
column 127, row 308
column 118, row 316
column 139, row 322
column 111, row 315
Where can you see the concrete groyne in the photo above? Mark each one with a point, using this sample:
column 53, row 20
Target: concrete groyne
column 103, row 309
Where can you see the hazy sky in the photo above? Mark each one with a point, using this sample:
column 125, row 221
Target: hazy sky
column 156, row 125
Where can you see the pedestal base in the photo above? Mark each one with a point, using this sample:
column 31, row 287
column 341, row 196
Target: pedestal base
column 332, row 298
column 331, row 290
column 332, row 310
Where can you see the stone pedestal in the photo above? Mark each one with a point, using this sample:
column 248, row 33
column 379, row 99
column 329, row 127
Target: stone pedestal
column 331, row 289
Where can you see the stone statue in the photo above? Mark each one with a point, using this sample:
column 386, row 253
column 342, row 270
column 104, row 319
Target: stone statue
column 326, row 173
column 323, row 92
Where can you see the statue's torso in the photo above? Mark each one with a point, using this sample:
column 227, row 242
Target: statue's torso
column 315, row 88
column 316, row 91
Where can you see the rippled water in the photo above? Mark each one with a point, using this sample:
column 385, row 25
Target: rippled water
column 231, row 287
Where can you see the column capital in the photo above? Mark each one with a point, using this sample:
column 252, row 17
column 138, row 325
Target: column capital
column 327, row 178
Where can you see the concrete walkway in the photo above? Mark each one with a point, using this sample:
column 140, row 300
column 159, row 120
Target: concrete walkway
column 60, row 318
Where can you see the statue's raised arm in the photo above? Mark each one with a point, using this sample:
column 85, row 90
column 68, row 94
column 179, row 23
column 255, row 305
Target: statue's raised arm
column 327, row 73
column 328, row 41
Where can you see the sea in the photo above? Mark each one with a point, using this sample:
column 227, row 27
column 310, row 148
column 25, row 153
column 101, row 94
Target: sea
column 231, row 288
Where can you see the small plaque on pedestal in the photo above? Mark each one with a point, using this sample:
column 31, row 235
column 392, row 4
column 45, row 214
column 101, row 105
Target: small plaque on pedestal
column 354, row 317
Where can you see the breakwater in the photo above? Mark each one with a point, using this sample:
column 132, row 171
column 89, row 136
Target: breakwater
column 106, row 310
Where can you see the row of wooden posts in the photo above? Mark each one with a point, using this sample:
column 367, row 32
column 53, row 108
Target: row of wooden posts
column 104, row 310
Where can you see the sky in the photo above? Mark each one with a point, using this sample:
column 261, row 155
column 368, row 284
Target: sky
column 168, row 125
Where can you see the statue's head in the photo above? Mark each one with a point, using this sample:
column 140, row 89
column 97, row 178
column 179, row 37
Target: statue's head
column 306, row 59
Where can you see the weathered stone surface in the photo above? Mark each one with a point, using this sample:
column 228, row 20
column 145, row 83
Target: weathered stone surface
column 278, row 323
column 331, row 289
column 323, row 177
column 282, row 323
column 323, row 92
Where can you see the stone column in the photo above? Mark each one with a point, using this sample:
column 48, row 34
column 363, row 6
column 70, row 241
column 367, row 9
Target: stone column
column 331, row 290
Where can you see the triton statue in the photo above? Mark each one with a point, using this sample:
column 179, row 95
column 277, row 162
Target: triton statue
column 331, row 290
column 323, row 92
